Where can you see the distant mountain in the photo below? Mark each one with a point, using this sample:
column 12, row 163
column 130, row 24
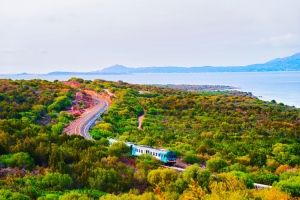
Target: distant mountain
column 81, row 73
column 291, row 63
column 24, row 73
column 116, row 69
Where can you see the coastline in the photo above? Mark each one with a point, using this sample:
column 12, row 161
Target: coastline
column 281, row 86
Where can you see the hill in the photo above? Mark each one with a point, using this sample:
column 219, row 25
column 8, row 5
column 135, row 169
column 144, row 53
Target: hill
column 291, row 63
column 237, row 139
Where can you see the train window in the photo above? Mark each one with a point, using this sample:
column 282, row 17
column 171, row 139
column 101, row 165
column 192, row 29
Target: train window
column 141, row 151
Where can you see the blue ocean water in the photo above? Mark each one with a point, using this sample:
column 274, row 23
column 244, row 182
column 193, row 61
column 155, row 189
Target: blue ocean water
column 281, row 86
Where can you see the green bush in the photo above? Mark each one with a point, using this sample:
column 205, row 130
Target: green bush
column 57, row 181
column 19, row 160
column 216, row 164
column 291, row 185
column 190, row 157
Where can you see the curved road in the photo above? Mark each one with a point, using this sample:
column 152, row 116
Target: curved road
column 83, row 124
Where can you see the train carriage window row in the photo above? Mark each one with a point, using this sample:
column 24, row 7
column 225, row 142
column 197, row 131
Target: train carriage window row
column 166, row 156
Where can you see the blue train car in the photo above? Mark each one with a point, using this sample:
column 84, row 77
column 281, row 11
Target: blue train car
column 166, row 156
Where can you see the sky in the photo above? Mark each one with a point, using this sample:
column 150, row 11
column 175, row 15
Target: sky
column 61, row 35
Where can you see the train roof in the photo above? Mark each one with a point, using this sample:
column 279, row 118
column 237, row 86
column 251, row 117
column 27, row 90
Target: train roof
column 140, row 146
column 147, row 147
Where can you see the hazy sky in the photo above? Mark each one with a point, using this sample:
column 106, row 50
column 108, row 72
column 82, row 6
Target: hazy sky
column 87, row 35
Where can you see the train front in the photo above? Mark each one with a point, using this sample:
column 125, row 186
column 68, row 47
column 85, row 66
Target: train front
column 171, row 158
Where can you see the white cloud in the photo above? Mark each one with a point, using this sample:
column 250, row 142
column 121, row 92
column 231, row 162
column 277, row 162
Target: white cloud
column 288, row 40
column 8, row 52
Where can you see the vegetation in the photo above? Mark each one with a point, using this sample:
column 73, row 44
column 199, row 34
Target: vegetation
column 230, row 141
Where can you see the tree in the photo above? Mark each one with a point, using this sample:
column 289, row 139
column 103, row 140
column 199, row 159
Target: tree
column 195, row 173
column 8, row 195
column 55, row 157
column 162, row 177
column 282, row 168
column 194, row 191
column 291, row 185
column 216, row 164
column 228, row 186
column 57, row 181
column 141, row 176
column 74, row 196
column 190, row 157
column 19, row 160
column 244, row 177
column 105, row 180
column 57, row 128
column 272, row 193
column 117, row 149
column 49, row 197
column 23, row 160
column 282, row 152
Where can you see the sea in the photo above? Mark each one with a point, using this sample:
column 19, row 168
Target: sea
column 283, row 87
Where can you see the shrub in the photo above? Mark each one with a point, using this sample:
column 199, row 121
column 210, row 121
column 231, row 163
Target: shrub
column 216, row 164
column 191, row 158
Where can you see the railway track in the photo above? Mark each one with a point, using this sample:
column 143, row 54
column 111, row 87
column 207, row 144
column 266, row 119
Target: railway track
column 256, row 185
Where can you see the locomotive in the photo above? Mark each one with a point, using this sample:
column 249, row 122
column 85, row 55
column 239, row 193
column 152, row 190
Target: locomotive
column 166, row 156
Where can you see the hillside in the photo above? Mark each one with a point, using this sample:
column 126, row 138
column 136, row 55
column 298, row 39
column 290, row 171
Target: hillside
column 235, row 138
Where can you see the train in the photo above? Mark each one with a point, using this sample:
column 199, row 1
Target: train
column 166, row 156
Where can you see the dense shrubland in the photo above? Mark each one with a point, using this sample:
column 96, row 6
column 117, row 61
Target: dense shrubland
column 237, row 140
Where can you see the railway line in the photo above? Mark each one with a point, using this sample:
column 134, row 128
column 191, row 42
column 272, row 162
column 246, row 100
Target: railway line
column 256, row 185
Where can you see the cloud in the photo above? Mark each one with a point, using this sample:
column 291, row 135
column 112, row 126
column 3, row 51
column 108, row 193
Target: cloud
column 288, row 40
column 8, row 52
column 42, row 51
